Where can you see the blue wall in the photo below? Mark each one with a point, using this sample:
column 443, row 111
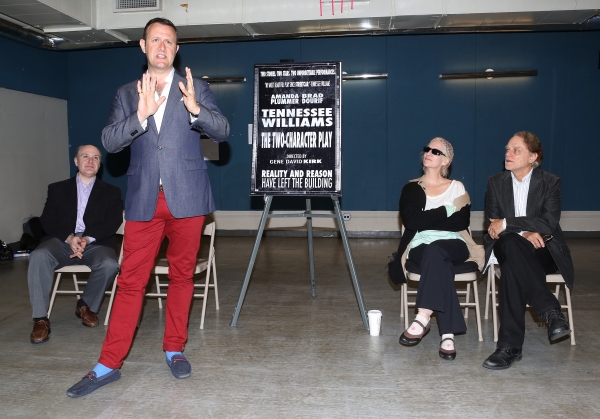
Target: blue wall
column 33, row 70
column 385, row 122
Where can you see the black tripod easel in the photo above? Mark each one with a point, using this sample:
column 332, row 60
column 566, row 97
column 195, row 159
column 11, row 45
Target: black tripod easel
column 308, row 214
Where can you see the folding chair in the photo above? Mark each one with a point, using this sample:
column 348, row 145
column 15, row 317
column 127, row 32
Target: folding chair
column 74, row 270
column 491, row 293
column 465, row 272
column 162, row 268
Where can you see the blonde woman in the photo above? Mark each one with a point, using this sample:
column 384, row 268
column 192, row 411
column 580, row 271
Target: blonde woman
column 435, row 212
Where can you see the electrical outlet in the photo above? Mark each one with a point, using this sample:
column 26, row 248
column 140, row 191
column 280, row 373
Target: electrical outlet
column 346, row 216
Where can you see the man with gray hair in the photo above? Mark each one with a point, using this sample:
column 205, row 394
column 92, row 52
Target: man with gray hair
column 522, row 213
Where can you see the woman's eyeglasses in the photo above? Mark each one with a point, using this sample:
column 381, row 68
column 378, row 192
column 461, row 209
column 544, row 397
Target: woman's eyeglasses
column 434, row 151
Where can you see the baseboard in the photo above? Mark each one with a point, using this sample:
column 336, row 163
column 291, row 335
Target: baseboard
column 372, row 224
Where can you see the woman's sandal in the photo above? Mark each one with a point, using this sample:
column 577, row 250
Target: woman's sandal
column 447, row 354
column 407, row 339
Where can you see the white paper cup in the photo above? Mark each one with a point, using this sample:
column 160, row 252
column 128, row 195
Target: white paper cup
column 374, row 322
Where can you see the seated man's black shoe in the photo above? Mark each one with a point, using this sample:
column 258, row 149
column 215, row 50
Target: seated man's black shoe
column 558, row 326
column 502, row 358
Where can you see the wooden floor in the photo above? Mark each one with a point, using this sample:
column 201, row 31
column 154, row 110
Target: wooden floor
column 292, row 356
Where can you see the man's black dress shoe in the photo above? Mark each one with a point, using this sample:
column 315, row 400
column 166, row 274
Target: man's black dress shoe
column 502, row 358
column 558, row 326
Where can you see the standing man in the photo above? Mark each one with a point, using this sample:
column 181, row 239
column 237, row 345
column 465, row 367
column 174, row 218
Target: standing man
column 168, row 194
column 522, row 211
column 80, row 218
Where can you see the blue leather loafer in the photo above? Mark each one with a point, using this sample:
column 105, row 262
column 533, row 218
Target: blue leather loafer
column 90, row 383
column 180, row 367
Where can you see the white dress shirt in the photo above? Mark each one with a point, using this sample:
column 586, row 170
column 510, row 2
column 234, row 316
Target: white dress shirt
column 158, row 115
column 520, row 192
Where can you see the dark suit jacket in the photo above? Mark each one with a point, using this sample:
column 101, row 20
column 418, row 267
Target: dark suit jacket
column 103, row 213
column 543, row 214
column 172, row 155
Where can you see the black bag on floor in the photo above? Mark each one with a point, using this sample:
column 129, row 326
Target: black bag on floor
column 33, row 232
column 6, row 253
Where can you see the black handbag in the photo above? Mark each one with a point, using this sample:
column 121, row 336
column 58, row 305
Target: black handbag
column 395, row 269
column 33, row 232
column 6, row 252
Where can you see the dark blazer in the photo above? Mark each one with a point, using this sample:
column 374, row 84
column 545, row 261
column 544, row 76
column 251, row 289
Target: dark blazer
column 415, row 219
column 102, row 217
column 173, row 155
column 543, row 214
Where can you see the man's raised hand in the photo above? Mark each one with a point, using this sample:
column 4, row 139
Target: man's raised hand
column 147, row 104
column 189, row 95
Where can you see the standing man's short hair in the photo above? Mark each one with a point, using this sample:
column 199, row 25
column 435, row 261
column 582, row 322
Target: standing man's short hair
column 162, row 21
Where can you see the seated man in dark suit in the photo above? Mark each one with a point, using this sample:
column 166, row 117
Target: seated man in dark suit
column 522, row 212
column 80, row 218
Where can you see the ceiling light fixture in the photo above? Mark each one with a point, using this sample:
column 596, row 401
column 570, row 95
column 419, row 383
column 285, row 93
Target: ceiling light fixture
column 224, row 79
column 489, row 74
column 345, row 76
column 364, row 76
column 67, row 28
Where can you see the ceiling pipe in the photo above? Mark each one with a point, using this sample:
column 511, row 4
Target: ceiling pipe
column 14, row 32
column 36, row 38
column 47, row 41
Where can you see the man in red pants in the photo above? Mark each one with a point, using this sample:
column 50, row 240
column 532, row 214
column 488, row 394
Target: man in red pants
column 168, row 194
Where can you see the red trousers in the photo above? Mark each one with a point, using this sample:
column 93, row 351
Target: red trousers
column 142, row 243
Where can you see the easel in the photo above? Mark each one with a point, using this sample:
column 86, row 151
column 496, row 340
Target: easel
column 308, row 214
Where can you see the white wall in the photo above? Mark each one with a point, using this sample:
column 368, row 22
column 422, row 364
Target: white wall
column 34, row 151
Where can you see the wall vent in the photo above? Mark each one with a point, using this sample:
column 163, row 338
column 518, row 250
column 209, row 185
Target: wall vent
column 136, row 5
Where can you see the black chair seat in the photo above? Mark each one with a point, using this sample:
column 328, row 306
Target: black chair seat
column 459, row 268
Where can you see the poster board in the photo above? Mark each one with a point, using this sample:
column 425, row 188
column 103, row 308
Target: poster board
column 296, row 139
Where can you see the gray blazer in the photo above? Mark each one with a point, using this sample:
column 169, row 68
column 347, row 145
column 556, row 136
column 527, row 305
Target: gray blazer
column 543, row 214
column 173, row 155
